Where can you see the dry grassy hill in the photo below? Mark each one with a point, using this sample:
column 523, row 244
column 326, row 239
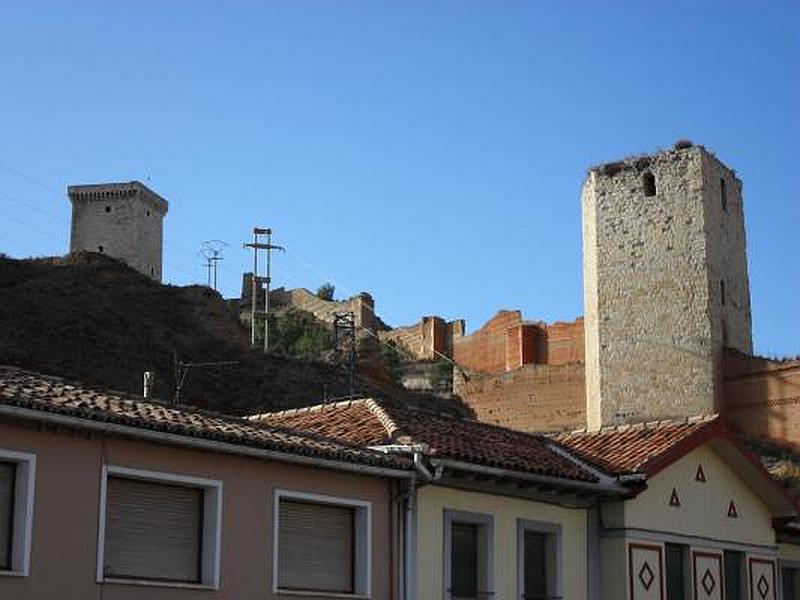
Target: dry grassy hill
column 92, row 318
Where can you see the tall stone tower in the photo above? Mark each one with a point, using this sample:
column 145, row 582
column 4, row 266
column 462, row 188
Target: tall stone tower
column 123, row 220
column 665, row 284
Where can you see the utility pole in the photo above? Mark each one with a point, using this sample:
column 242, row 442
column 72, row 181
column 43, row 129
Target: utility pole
column 344, row 328
column 257, row 245
column 211, row 251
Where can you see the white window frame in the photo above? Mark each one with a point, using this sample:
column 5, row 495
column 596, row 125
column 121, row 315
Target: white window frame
column 22, row 519
column 212, row 525
column 482, row 519
column 555, row 572
column 362, row 569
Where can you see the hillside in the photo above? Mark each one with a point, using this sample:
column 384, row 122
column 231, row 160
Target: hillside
column 91, row 318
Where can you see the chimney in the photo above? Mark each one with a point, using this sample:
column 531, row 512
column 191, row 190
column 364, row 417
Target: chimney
column 149, row 381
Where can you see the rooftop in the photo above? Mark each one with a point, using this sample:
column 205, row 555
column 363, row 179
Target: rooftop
column 371, row 422
column 35, row 395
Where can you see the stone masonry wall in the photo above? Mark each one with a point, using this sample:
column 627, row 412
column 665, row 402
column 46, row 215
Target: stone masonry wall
column 761, row 397
column 429, row 339
column 362, row 305
column 531, row 398
column 123, row 220
column 651, row 265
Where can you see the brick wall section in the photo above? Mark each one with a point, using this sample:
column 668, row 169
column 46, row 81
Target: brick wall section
column 761, row 397
column 485, row 351
column 506, row 343
column 532, row 398
column 562, row 343
column 428, row 339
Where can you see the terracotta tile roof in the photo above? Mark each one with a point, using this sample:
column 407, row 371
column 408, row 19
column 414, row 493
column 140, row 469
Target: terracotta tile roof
column 371, row 422
column 637, row 448
column 49, row 394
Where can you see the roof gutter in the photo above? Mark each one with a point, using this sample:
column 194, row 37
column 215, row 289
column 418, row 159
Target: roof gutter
column 173, row 439
column 417, row 451
column 602, row 487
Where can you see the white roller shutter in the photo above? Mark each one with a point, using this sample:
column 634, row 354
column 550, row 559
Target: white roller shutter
column 153, row 531
column 7, row 475
column 316, row 549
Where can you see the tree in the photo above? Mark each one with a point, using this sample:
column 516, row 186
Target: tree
column 325, row 291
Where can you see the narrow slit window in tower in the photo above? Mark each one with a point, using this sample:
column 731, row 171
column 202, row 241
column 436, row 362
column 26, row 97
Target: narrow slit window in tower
column 723, row 195
column 649, row 182
column 722, row 291
column 99, row 248
column 108, row 209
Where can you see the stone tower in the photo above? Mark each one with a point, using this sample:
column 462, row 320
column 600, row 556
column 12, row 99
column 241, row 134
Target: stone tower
column 123, row 220
column 665, row 284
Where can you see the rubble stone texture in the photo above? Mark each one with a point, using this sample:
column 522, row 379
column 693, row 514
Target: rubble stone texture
column 666, row 285
column 122, row 220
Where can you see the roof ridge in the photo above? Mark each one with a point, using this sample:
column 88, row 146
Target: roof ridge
column 640, row 425
column 393, row 430
column 301, row 410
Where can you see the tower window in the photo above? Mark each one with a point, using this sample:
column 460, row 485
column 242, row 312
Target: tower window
column 99, row 248
column 722, row 291
column 723, row 195
column 108, row 209
column 148, row 213
column 649, row 184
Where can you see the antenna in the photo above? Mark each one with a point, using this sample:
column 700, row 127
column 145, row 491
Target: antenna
column 257, row 245
column 211, row 251
column 182, row 373
column 344, row 327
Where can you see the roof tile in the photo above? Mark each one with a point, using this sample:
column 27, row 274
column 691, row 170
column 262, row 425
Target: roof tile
column 49, row 394
column 370, row 422
column 633, row 448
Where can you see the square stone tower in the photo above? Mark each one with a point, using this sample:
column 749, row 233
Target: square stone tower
column 123, row 220
column 665, row 284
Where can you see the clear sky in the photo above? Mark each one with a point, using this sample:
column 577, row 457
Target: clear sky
column 431, row 153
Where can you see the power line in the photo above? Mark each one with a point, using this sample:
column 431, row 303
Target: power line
column 211, row 251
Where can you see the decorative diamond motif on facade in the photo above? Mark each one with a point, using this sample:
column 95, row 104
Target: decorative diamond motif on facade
column 708, row 582
column 762, row 586
column 646, row 576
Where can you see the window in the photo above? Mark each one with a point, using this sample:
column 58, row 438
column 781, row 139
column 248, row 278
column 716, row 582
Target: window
column 17, row 475
column 723, row 195
column 722, row 291
column 469, row 555
column 649, row 184
column 539, row 560
column 734, row 579
column 675, row 557
column 322, row 544
column 790, row 578
column 158, row 527
column 8, row 475
column 99, row 248
column 108, row 209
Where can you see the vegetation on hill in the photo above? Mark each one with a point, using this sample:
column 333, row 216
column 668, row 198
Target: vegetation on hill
column 92, row 318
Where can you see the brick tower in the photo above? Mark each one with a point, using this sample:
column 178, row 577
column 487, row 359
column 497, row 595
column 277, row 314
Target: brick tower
column 123, row 220
column 665, row 284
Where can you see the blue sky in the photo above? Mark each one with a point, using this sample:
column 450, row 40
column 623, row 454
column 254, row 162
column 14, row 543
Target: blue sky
column 429, row 152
